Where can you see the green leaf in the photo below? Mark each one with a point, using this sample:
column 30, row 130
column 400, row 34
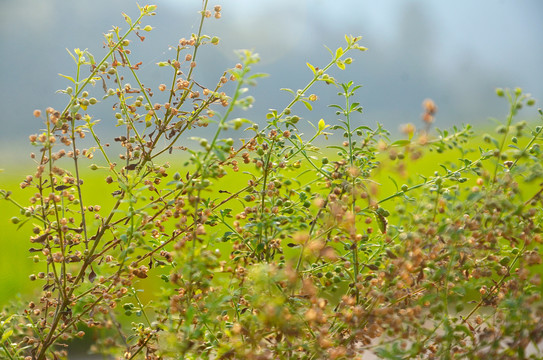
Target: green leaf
column 312, row 68
column 394, row 182
column 91, row 58
column 322, row 125
column 342, row 149
column 68, row 77
column 339, row 52
column 401, row 143
column 72, row 55
column 288, row 90
column 127, row 19
column 340, row 65
column 363, row 127
column 6, row 335
column 257, row 76
column 220, row 154
column 272, row 114
column 307, row 105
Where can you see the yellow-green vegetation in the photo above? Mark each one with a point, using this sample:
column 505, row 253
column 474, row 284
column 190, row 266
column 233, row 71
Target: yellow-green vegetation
column 275, row 245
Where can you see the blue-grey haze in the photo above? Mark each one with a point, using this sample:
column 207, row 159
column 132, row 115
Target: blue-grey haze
column 455, row 52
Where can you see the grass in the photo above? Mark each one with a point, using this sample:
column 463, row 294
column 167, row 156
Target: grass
column 14, row 240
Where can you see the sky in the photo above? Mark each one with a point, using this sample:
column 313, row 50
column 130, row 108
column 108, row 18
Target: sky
column 455, row 52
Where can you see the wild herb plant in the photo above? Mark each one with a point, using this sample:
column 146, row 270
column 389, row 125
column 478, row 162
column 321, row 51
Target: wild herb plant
column 300, row 255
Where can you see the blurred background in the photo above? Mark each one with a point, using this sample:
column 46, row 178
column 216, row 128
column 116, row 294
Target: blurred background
column 455, row 52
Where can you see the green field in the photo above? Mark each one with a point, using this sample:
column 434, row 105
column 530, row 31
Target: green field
column 16, row 263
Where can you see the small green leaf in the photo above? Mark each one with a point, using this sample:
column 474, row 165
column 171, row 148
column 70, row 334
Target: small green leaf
column 91, row 58
column 401, row 143
column 312, row 68
column 68, row 77
column 339, row 52
column 340, row 65
column 307, row 105
column 257, row 76
column 127, row 19
column 72, row 55
column 288, row 90
column 220, row 154
column 322, row 125
column 394, row 182
column 6, row 335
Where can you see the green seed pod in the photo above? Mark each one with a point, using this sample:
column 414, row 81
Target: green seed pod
column 505, row 261
column 85, row 94
column 500, row 92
